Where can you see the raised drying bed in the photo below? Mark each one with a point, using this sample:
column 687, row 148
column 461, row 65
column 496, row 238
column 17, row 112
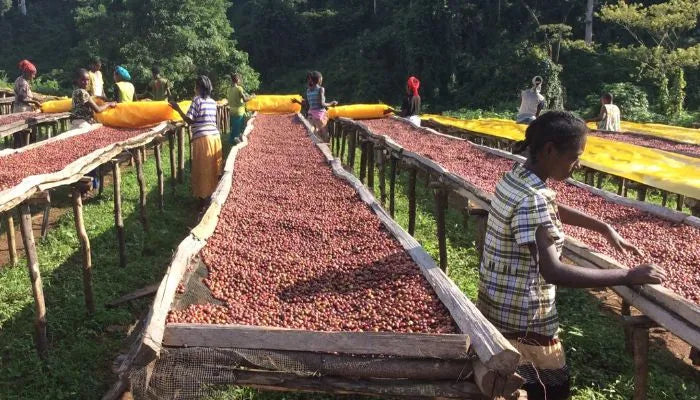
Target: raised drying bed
column 284, row 284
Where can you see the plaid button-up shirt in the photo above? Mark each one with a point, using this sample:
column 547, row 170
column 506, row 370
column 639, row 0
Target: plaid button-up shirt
column 512, row 293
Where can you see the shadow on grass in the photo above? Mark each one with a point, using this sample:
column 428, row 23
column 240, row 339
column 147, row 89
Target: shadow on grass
column 82, row 347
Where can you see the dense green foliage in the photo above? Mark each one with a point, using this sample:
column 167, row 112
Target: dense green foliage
column 467, row 54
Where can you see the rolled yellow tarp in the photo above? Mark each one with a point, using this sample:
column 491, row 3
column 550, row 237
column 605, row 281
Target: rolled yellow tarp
column 668, row 132
column 274, row 104
column 140, row 114
column 672, row 172
column 57, row 106
column 359, row 111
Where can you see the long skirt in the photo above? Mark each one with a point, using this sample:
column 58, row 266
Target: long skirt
column 207, row 165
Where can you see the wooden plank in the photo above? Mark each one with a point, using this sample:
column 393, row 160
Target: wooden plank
column 160, row 176
column 138, row 154
column 11, row 240
column 118, row 219
column 137, row 294
column 416, row 345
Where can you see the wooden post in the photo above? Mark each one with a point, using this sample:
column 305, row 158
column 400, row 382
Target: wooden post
column 621, row 189
column 626, row 311
column 142, row 188
column 363, row 160
column 181, row 154
column 352, row 143
column 640, row 337
column 480, row 218
column 118, row 220
column 412, row 200
column 343, row 139
column 26, row 137
column 171, row 146
column 45, row 217
column 440, row 209
column 101, row 180
column 599, row 182
column 42, row 343
column 642, row 192
column 664, row 198
column 679, row 202
column 392, row 185
column 11, row 241
column 85, row 249
column 370, row 166
column 159, row 173
column 382, row 177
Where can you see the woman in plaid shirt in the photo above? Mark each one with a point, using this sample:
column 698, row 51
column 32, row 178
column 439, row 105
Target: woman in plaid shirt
column 522, row 253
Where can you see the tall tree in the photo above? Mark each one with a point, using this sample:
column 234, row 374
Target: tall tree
column 659, row 49
column 589, row 21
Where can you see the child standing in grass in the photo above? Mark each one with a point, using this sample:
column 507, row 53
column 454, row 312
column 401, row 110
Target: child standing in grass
column 237, row 97
column 522, row 253
column 207, row 159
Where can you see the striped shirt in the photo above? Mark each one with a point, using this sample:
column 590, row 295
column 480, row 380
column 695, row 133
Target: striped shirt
column 313, row 96
column 203, row 113
column 512, row 293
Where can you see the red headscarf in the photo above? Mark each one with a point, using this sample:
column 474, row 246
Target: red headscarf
column 413, row 85
column 25, row 66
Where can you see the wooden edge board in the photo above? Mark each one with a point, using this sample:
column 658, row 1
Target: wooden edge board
column 413, row 345
column 72, row 172
column 48, row 117
column 187, row 250
column 491, row 347
column 665, row 298
column 669, row 320
column 11, row 129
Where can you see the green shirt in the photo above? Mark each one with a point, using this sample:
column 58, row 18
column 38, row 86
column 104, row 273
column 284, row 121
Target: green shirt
column 235, row 97
column 160, row 89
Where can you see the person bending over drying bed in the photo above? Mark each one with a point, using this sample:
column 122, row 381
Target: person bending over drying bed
column 24, row 99
column 83, row 107
column 410, row 109
column 521, row 263
column 207, row 159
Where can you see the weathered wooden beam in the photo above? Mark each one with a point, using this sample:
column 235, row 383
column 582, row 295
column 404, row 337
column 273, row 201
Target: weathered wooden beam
column 640, row 339
column 160, row 175
column 137, row 294
column 142, row 188
column 443, row 346
column 370, row 166
column 11, row 240
column 382, row 177
column 84, row 248
column 118, row 219
column 173, row 169
column 352, row 144
column 412, row 175
column 392, row 184
column 363, row 159
column 42, row 343
column 441, row 194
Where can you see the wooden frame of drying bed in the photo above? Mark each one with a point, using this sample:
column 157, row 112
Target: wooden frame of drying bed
column 479, row 353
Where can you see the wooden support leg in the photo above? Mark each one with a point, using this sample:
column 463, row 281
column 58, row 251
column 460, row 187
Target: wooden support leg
column 382, row 177
column 412, row 200
column 352, row 143
column 392, row 185
column 27, row 137
column 159, row 173
column 599, row 182
column 363, row 160
column 118, row 220
column 664, row 198
column 640, row 337
column 370, row 166
column 45, row 218
column 181, row 155
column 101, row 180
column 642, row 193
column 679, row 202
column 480, row 217
column 621, row 189
column 11, row 241
column 173, row 170
column 440, row 210
column 85, row 249
column 142, row 188
column 626, row 311
column 42, row 343
column 343, row 139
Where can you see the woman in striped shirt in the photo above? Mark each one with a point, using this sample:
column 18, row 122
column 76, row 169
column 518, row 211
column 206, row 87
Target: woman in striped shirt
column 207, row 159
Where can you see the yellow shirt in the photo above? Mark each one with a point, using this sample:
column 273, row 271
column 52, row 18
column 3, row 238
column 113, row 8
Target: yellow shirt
column 96, row 86
column 126, row 92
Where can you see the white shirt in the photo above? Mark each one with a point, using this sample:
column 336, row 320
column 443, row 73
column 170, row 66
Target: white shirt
column 529, row 100
column 611, row 120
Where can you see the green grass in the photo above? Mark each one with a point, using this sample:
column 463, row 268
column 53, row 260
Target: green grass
column 82, row 347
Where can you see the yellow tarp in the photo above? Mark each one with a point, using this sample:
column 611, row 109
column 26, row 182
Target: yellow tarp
column 359, row 111
column 661, row 169
column 668, row 132
column 56, row 106
column 140, row 114
column 274, row 104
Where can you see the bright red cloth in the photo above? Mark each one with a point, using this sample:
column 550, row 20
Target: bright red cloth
column 413, row 85
column 26, row 66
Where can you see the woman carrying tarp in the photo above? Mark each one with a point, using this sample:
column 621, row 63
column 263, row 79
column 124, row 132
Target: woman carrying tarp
column 207, row 159
column 24, row 99
column 521, row 263
column 123, row 89
column 410, row 108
